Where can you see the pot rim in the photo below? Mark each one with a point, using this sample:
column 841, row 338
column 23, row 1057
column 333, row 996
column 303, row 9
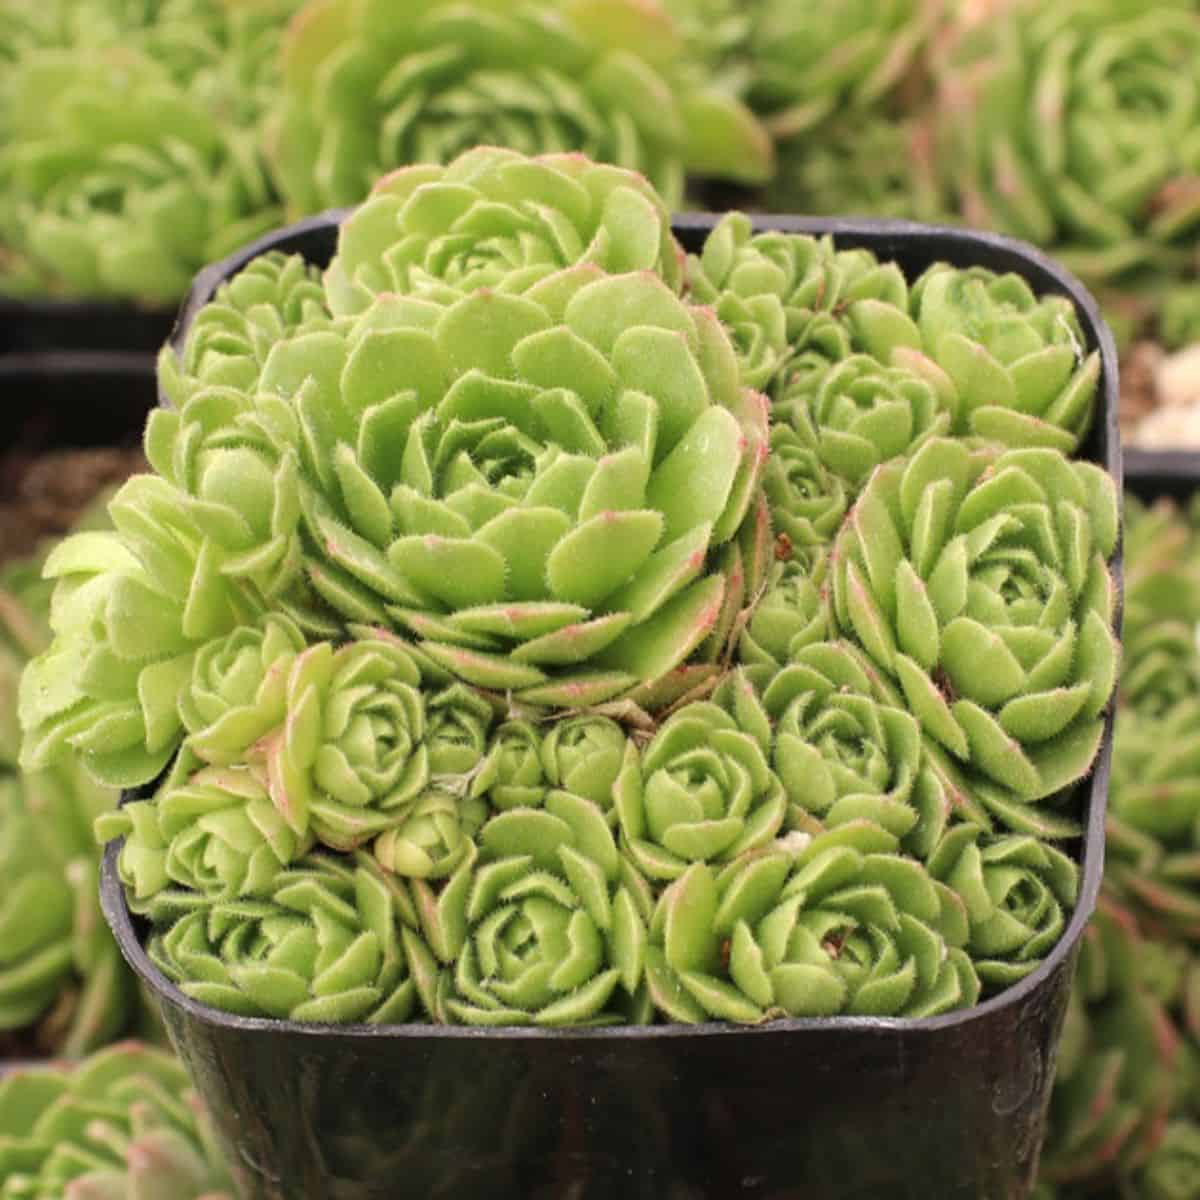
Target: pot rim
column 889, row 239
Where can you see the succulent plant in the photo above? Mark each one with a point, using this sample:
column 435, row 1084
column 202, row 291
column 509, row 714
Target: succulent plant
column 844, row 924
column 544, row 925
column 215, row 832
column 1018, row 892
column 349, row 749
column 60, row 971
column 773, row 289
column 1122, row 1061
column 1017, row 363
column 856, row 413
column 123, row 1124
column 978, row 582
column 863, row 164
column 496, row 218
column 323, row 944
column 793, row 612
column 811, row 60
column 131, row 609
column 1172, row 1172
column 116, row 181
column 701, row 791
column 512, row 774
column 229, row 339
column 584, row 755
column 1075, row 128
column 842, row 749
column 368, row 88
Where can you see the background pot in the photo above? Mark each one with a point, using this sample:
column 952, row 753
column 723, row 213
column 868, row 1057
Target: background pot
column 54, row 403
column 37, row 326
column 946, row 1108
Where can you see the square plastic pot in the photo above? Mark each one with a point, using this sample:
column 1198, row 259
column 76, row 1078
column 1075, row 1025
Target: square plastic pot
column 945, row 1108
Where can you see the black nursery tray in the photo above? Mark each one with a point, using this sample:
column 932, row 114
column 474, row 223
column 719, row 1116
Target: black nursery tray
column 39, row 326
column 944, row 1108
column 1153, row 473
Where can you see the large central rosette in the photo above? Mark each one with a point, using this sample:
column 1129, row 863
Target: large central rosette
column 548, row 526
column 978, row 581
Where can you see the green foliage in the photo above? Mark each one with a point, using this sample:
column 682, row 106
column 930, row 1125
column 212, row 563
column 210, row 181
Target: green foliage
column 123, row 1124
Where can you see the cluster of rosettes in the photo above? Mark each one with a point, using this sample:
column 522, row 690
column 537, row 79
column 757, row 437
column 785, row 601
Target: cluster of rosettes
column 1124, row 1107
column 533, row 624
column 129, row 151
column 123, row 1125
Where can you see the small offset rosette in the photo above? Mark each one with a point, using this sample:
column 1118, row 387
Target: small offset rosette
column 702, row 791
column 546, row 925
column 841, row 745
column 1018, row 891
column 781, row 293
column 842, row 925
column 978, row 583
column 857, row 412
column 322, row 944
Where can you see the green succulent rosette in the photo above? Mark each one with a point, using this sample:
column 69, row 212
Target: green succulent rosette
column 978, row 582
column 869, row 164
column 496, row 218
column 793, row 612
column 807, row 500
column 778, row 293
column 842, row 925
column 1153, row 827
column 368, row 88
column 60, row 970
column 215, row 832
column 702, row 791
column 546, row 925
column 1018, row 891
column 323, row 945
column 352, row 753
column 117, row 182
column 841, row 745
column 131, row 608
column 1161, row 667
column 811, row 60
column 1075, row 128
column 1017, row 363
column 230, row 338
column 512, row 774
column 856, row 413
column 584, row 755
column 124, row 1123
column 574, row 526
column 1173, row 1171
column 434, row 836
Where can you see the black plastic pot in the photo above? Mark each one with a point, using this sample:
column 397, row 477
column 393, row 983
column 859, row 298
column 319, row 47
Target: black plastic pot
column 1153, row 473
column 38, row 326
column 54, row 401
column 947, row 1108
